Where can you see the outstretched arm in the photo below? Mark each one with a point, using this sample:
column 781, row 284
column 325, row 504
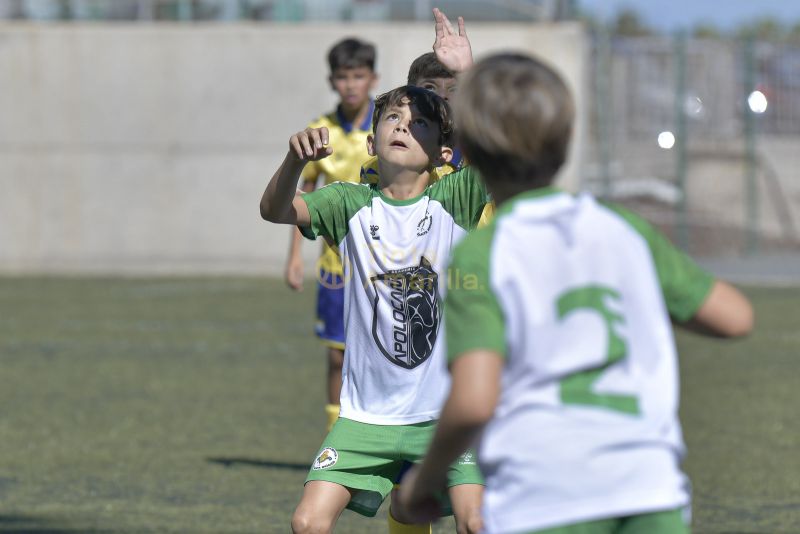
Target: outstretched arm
column 452, row 49
column 281, row 201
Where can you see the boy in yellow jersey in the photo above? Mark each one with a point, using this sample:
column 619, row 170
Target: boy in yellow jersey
column 352, row 76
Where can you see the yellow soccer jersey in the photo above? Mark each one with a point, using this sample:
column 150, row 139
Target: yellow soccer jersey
column 349, row 142
column 369, row 171
column 369, row 175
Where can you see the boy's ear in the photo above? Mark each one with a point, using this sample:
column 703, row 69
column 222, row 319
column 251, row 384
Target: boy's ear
column 374, row 81
column 330, row 82
column 446, row 157
column 371, row 145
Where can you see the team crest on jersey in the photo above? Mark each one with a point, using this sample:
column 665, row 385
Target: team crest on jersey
column 424, row 225
column 326, row 458
column 413, row 297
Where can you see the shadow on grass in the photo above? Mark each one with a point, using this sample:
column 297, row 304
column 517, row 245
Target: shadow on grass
column 251, row 462
column 25, row 524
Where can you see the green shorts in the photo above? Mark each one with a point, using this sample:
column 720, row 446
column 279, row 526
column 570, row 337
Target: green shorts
column 372, row 458
column 667, row 522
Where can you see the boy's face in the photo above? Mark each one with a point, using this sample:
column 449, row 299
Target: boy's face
column 406, row 138
column 353, row 85
column 444, row 87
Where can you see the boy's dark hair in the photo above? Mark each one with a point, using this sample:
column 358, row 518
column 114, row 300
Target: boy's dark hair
column 430, row 105
column 351, row 53
column 515, row 118
column 427, row 66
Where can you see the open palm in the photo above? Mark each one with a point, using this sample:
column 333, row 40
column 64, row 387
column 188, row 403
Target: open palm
column 452, row 49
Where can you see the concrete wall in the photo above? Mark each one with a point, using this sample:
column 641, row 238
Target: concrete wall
column 145, row 148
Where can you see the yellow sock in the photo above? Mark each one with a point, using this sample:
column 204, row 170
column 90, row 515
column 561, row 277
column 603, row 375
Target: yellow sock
column 395, row 527
column 332, row 412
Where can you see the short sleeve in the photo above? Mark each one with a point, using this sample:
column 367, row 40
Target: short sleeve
column 463, row 195
column 331, row 208
column 684, row 284
column 473, row 317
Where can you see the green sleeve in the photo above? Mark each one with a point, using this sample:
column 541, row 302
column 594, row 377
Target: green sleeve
column 684, row 284
column 331, row 207
column 463, row 194
column 473, row 317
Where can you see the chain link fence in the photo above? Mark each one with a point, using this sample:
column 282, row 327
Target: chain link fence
column 284, row 10
column 698, row 135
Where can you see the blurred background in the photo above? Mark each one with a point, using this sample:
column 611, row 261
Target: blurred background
column 137, row 135
column 157, row 375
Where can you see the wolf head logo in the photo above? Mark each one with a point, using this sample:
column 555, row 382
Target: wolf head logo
column 408, row 302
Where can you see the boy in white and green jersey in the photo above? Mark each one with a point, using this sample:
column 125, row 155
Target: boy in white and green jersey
column 562, row 356
column 395, row 237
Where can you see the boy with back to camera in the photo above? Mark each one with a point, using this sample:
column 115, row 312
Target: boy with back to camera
column 352, row 76
column 395, row 237
column 562, row 357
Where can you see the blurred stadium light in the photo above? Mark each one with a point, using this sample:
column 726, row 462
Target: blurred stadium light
column 285, row 10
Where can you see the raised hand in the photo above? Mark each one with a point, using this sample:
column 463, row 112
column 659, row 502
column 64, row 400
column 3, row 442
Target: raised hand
column 310, row 145
column 452, row 49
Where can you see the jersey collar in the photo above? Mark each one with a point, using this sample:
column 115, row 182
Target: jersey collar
column 539, row 192
column 365, row 125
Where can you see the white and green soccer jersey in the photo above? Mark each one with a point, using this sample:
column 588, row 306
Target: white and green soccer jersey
column 577, row 297
column 395, row 257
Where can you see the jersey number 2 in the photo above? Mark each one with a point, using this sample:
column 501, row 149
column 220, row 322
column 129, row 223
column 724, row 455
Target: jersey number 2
column 577, row 388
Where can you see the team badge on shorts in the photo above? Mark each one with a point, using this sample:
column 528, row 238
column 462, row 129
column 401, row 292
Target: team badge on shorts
column 468, row 458
column 326, row 458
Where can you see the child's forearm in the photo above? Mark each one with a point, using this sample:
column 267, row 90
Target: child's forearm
column 297, row 238
column 276, row 202
column 294, row 244
column 474, row 393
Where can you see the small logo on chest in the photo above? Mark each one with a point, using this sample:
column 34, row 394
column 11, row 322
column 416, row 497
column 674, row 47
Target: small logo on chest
column 424, row 225
column 373, row 232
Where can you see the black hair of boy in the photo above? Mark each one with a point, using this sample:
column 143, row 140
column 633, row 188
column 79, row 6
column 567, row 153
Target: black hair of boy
column 429, row 104
column 427, row 67
column 351, row 53
column 515, row 117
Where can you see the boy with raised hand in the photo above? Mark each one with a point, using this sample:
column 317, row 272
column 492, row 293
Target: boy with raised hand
column 395, row 237
column 429, row 73
column 562, row 356
column 438, row 74
column 352, row 76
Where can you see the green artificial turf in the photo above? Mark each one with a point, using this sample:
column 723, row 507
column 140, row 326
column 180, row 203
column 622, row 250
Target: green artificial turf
column 195, row 405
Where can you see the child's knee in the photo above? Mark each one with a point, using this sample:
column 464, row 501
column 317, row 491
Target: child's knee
column 472, row 524
column 304, row 521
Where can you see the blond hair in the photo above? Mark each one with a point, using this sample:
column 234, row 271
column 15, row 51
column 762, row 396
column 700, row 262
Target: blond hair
column 514, row 117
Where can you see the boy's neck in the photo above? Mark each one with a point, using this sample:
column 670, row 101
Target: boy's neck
column 355, row 115
column 402, row 184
